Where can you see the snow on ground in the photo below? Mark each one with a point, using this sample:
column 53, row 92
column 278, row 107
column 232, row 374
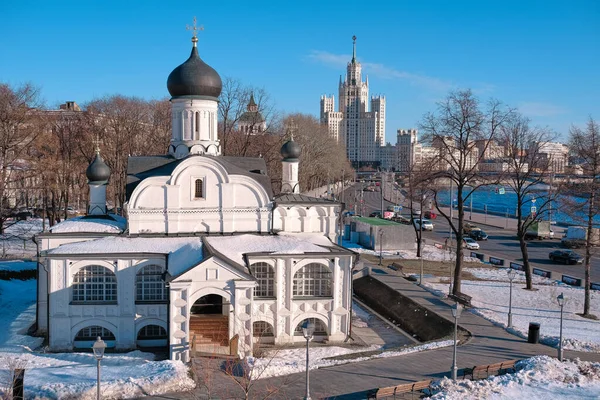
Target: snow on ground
column 491, row 298
column 16, row 241
column 289, row 361
column 73, row 375
column 540, row 378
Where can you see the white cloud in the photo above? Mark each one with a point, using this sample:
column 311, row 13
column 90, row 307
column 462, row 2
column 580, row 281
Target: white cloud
column 381, row 71
column 536, row 109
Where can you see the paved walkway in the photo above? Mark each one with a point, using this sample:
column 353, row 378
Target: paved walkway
column 489, row 344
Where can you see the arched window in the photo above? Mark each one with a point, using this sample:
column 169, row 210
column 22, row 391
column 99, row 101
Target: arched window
column 199, row 192
column 320, row 327
column 149, row 332
column 262, row 329
column 265, row 277
column 150, row 284
column 313, row 280
column 94, row 283
column 91, row 333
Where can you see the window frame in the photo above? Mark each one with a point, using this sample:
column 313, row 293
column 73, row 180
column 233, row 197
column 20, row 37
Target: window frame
column 306, row 285
column 142, row 287
column 317, row 322
column 265, row 288
column 88, row 284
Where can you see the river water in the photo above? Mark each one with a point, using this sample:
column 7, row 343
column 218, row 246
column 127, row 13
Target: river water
column 488, row 199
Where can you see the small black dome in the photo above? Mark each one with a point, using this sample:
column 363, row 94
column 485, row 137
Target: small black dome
column 194, row 78
column 97, row 171
column 290, row 151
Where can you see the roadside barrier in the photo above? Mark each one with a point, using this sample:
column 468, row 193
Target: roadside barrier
column 542, row 272
column 570, row 280
column 595, row 285
column 496, row 261
column 517, row 266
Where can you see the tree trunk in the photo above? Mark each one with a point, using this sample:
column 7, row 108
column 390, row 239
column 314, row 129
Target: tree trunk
column 456, row 287
column 521, row 230
column 588, row 251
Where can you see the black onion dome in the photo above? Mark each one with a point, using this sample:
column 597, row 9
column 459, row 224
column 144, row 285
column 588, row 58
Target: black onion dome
column 290, row 151
column 98, row 171
column 194, row 78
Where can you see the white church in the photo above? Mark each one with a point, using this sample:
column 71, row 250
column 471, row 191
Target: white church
column 207, row 257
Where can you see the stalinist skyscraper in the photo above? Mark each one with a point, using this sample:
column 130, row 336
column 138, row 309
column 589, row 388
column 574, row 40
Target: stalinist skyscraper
column 361, row 130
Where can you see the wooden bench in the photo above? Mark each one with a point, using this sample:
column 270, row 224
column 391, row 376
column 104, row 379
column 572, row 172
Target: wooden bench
column 461, row 298
column 396, row 267
column 500, row 368
column 394, row 391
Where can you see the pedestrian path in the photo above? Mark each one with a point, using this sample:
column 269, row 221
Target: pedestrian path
column 489, row 344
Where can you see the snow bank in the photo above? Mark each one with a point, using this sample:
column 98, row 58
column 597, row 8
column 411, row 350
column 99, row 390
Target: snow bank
column 541, row 378
column 430, row 253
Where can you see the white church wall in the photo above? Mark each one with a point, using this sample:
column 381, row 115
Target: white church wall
column 229, row 203
column 303, row 219
column 123, row 317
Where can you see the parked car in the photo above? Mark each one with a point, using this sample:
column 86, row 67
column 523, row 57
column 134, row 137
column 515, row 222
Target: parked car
column 427, row 225
column 468, row 227
column 565, row 256
column 478, row 234
column 430, row 215
column 470, row 244
column 376, row 213
column 401, row 219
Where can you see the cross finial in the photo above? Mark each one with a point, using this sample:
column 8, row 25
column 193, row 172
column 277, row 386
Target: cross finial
column 354, row 48
column 96, row 142
column 292, row 128
column 195, row 30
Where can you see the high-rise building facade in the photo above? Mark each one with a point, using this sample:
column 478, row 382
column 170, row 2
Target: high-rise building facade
column 361, row 130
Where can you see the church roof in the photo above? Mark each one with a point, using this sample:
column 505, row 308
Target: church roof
column 140, row 168
column 183, row 252
column 252, row 117
column 297, row 198
column 92, row 224
column 237, row 247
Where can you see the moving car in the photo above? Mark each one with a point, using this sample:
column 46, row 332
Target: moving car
column 470, row 244
column 478, row 234
column 430, row 215
column 427, row 225
column 565, row 256
column 376, row 213
column 468, row 227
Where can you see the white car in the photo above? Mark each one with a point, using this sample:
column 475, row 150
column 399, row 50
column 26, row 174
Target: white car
column 427, row 225
column 471, row 244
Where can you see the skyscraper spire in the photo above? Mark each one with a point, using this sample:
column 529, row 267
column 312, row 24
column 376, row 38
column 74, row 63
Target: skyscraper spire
column 353, row 49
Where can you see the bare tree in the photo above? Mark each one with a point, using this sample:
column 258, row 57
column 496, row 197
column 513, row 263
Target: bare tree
column 453, row 129
column 527, row 169
column 20, row 122
column 585, row 145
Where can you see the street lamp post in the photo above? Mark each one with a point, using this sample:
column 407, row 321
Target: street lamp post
column 456, row 310
column 308, row 329
column 511, row 276
column 98, row 348
column 561, row 302
column 380, row 246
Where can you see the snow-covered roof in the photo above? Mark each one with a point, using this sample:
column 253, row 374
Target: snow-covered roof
column 184, row 252
column 89, row 224
column 234, row 247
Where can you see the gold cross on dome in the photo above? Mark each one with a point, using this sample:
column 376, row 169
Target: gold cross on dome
column 194, row 28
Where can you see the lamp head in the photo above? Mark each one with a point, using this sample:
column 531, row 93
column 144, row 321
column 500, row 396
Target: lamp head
column 456, row 310
column 98, row 348
column 561, row 300
column 511, row 274
column 308, row 329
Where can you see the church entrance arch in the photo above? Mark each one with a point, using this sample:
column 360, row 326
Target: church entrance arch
column 209, row 324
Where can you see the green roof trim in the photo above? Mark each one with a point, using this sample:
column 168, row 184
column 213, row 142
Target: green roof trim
column 376, row 221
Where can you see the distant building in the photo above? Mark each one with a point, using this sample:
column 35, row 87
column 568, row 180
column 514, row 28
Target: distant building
column 557, row 155
column 489, row 149
column 360, row 130
column 388, row 156
column 252, row 121
column 408, row 149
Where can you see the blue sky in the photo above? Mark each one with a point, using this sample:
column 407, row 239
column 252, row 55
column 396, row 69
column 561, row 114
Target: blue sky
column 540, row 56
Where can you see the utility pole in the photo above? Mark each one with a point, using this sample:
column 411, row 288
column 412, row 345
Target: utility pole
column 381, row 191
column 451, row 208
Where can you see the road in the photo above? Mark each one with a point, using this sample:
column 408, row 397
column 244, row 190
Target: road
column 501, row 243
